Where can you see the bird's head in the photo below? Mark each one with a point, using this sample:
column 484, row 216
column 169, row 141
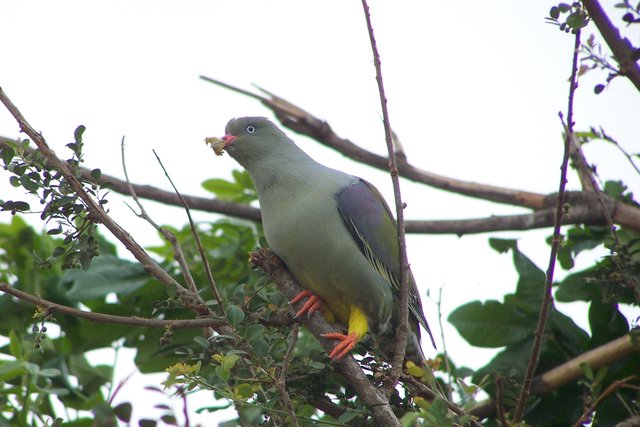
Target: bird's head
column 248, row 139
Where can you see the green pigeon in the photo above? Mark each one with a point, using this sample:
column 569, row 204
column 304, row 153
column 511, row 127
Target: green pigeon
column 334, row 232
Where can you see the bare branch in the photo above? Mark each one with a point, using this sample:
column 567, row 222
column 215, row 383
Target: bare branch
column 168, row 235
column 196, row 236
column 109, row 318
column 583, row 210
column 547, row 298
column 403, row 328
column 298, row 120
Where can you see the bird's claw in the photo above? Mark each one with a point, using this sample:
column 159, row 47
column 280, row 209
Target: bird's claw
column 344, row 347
column 313, row 304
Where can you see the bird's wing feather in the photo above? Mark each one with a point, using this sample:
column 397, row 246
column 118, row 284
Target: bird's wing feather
column 369, row 219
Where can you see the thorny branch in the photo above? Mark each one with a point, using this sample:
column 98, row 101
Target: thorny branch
column 403, row 328
column 547, row 298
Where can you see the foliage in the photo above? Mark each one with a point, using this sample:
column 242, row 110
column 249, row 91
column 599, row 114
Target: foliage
column 44, row 361
column 606, row 285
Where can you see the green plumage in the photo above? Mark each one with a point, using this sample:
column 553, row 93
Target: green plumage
column 334, row 231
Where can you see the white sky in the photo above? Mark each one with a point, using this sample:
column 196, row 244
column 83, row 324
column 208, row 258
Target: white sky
column 474, row 89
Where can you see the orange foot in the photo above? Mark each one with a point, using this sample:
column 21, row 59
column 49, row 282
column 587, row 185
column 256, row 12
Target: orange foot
column 313, row 304
column 348, row 342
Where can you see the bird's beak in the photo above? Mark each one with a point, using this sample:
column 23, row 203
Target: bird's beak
column 228, row 139
column 219, row 144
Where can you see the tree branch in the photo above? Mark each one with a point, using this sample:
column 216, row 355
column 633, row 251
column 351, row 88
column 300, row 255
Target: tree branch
column 605, row 355
column 299, row 120
column 583, row 210
column 200, row 308
column 547, row 298
column 109, row 318
column 316, row 323
column 624, row 52
column 402, row 331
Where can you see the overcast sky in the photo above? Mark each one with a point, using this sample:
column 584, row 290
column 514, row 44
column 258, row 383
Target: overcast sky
column 474, row 91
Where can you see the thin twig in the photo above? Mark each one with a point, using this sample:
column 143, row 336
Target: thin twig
column 109, row 318
column 281, row 381
column 502, row 416
column 592, row 407
column 196, row 236
column 547, row 298
column 587, row 176
column 402, row 329
column 171, row 238
column 447, row 365
column 428, row 394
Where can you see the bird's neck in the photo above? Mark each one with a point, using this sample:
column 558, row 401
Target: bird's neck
column 283, row 169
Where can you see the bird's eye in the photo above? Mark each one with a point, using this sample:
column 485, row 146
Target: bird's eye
column 251, row 129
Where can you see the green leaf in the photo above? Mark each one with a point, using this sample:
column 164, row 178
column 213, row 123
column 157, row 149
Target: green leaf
column 254, row 331
column 577, row 287
column 202, row 341
column 554, row 12
column 223, row 374
column 11, row 370
column 491, row 324
column 577, row 20
column 409, row 419
column 28, row 183
column 14, row 181
column 347, row 416
column 96, row 174
column 229, row 361
column 77, row 134
column 222, row 188
column 531, row 280
column 49, row 372
column 606, row 322
column 260, row 347
column 107, row 274
column 15, row 345
column 564, row 7
column 243, row 391
column 235, row 315
column 123, row 411
column 502, row 245
column 7, row 154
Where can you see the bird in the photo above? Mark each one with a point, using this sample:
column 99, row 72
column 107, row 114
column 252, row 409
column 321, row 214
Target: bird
column 333, row 231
